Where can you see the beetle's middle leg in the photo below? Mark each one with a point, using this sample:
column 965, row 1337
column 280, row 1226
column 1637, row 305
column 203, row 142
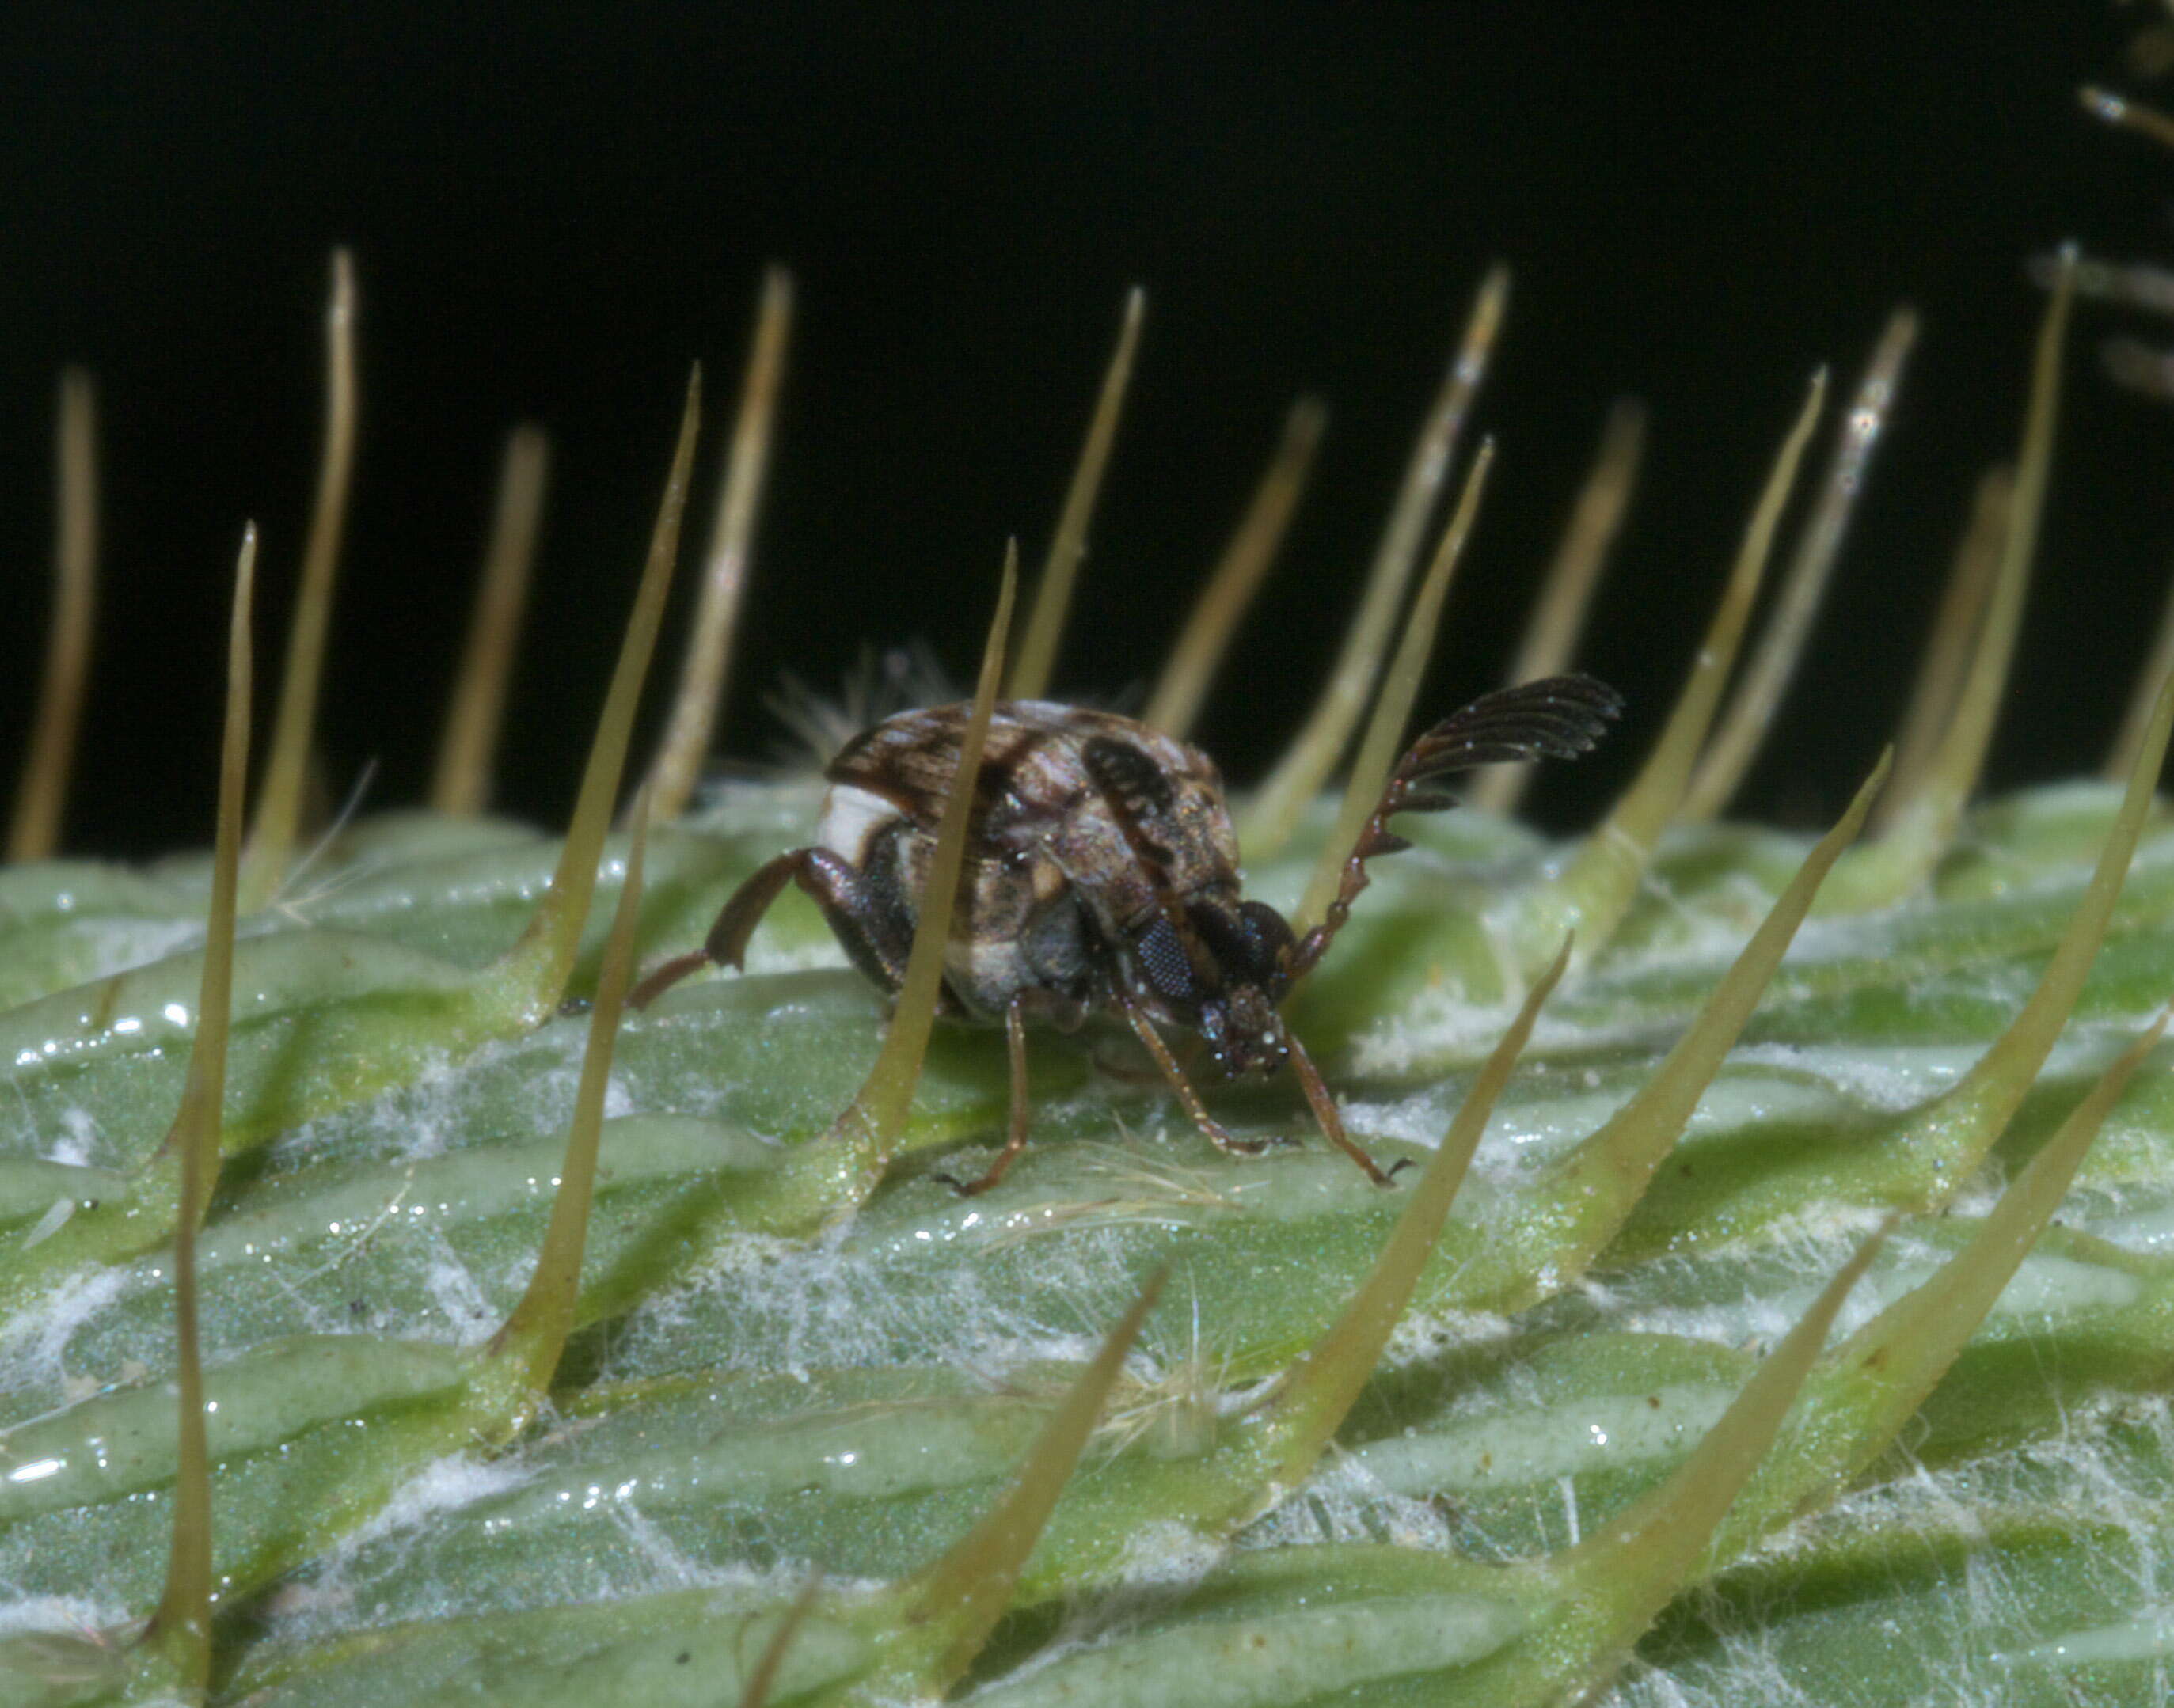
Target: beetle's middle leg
column 1015, row 1134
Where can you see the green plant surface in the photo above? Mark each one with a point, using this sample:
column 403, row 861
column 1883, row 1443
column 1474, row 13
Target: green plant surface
column 746, row 1397
column 1777, row 1306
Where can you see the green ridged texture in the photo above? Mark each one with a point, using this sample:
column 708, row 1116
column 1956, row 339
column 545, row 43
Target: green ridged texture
column 763, row 1381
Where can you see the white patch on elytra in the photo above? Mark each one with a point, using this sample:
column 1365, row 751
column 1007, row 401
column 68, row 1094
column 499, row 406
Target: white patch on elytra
column 849, row 817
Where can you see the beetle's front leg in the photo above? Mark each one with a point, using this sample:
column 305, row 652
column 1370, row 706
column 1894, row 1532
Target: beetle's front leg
column 876, row 936
column 1211, row 1129
column 1323, row 1103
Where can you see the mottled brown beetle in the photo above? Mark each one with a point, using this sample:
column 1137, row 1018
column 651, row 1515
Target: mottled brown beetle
column 1102, row 873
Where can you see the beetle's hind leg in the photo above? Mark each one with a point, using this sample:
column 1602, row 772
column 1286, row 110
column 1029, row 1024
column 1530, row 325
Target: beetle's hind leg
column 1015, row 1133
column 868, row 924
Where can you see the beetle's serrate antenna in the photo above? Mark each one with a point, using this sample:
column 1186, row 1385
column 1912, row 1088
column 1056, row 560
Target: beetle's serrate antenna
column 1557, row 717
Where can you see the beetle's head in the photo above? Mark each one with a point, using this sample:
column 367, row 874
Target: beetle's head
column 1224, row 984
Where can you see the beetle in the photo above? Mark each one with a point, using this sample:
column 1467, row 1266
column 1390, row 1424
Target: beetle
column 1102, row 877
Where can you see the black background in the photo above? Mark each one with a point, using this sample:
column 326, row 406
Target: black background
column 553, row 208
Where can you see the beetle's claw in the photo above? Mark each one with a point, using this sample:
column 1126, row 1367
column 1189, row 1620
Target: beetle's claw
column 973, row 1188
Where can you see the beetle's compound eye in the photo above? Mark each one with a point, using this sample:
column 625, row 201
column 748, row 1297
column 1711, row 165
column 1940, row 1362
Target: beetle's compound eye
column 1247, row 944
column 1168, row 968
column 1272, row 944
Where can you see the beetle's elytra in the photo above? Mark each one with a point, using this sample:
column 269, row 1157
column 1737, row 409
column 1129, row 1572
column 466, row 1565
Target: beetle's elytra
column 1101, row 876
